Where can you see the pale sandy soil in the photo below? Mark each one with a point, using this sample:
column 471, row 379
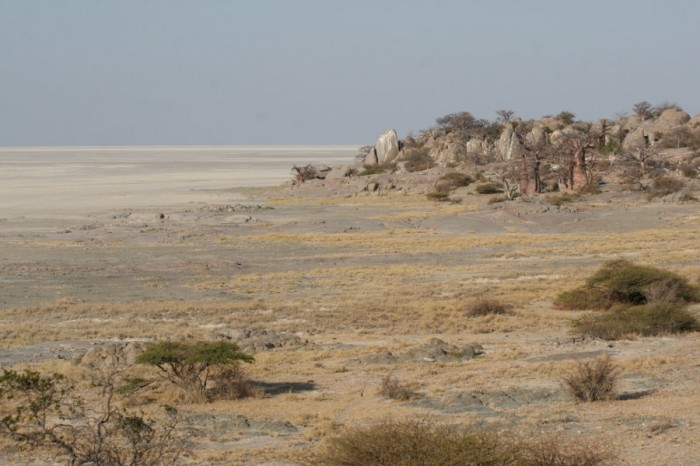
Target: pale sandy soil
column 355, row 277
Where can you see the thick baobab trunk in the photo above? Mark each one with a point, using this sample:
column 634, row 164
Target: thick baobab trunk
column 530, row 182
column 580, row 179
column 524, row 178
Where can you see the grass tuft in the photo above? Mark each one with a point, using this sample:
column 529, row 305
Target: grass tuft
column 484, row 307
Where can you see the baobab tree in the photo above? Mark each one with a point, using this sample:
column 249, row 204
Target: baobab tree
column 643, row 109
column 575, row 158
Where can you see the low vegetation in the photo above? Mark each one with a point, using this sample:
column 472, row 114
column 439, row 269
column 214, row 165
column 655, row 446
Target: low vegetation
column 484, row 307
column 190, row 365
column 392, row 388
column 665, row 185
column 622, row 282
column 452, row 181
column 490, row 187
column 438, row 196
column 49, row 412
column 426, row 443
column 594, row 380
column 417, row 160
column 645, row 320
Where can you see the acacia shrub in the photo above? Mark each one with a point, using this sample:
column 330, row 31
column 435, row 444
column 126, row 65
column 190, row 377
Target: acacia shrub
column 190, row 364
column 620, row 281
column 48, row 412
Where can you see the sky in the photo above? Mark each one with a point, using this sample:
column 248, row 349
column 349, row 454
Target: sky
column 218, row 72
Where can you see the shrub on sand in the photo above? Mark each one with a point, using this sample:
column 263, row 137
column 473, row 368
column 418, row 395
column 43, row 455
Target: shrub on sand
column 647, row 320
column 391, row 387
column 484, row 307
column 620, row 281
column 425, row 443
column 593, row 380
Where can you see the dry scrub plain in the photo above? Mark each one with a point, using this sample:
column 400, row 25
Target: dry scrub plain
column 349, row 289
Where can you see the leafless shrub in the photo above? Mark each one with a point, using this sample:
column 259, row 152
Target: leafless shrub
column 303, row 174
column 560, row 451
column 393, row 388
column 232, row 383
column 593, row 380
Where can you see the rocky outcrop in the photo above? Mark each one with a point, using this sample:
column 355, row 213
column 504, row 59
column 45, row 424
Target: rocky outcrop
column 113, row 354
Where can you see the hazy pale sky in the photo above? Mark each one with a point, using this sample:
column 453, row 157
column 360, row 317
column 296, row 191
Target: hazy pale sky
column 133, row 72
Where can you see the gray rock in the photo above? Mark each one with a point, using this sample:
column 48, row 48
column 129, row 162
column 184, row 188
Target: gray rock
column 672, row 117
column 256, row 340
column 387, row 147
column 113, row 354
column 371, row 158
column 340, row 172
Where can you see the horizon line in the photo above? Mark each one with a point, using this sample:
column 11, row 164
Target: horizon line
column 178, row 147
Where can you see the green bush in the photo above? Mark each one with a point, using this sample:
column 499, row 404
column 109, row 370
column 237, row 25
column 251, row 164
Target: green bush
column 611, row 147
column 490, row 188
column 49, row 412
column 374, row 170
column 646, row 320
column 593, row 380
column 621, row 281
column 453, row 180
column 566, row 117
column 425, row 443
column 559, row 200
column 190, row 364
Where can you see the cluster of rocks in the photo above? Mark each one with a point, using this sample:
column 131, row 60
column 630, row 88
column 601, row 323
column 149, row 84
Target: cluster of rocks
column 435, row 350
column 235, row 208
column 112, row 354
column 254, row 340
column 627, row 131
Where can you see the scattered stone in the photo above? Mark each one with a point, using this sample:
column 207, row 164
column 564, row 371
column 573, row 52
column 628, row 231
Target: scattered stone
column 435, row 350
column 112, row 354
column 256, row 340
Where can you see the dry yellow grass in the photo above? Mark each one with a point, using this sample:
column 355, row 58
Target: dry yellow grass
column 391, row 288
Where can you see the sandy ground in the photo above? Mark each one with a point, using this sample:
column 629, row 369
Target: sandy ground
column 361, row 281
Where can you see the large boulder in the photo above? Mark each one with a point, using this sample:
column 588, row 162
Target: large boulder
column 672, row 117
column 341, row 172
column 387, row 147
column 371, row 158
column 636, row 138
column 477, row 146
column 505, row 142
column 537, row 137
